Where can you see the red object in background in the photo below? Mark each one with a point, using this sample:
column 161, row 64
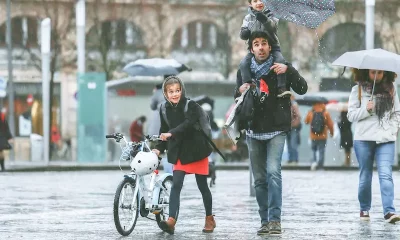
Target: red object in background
column 264, row 86
column 29, row 99
column 55, row 134
column 3, row 114
column 126, row 92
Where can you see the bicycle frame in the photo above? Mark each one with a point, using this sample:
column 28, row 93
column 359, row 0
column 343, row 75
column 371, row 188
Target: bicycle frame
column 152, row 192
column 149, row 193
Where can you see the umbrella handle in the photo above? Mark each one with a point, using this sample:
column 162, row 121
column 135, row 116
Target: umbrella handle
column 373, row 87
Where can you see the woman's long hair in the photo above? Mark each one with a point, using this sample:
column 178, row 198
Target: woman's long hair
column 384, row 90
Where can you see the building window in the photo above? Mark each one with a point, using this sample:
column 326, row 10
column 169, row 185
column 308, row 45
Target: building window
column 24, row 32
column 115, row 34
column 198, row 35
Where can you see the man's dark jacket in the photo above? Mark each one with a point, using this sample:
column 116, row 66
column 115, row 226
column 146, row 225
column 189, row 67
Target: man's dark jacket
column 274, row 113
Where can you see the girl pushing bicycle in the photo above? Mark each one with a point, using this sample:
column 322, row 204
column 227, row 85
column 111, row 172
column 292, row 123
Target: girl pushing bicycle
column 187, row 149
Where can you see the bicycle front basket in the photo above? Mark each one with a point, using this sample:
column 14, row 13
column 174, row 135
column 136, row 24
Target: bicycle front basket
column 128, row 151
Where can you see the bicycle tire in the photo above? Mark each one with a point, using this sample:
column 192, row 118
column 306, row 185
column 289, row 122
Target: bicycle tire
column 122, row 228
column 162, row 216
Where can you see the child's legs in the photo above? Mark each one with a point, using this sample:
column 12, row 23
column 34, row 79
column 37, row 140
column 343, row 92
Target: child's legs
column 205, row 193
column 278, row 58
column 174, row 198
column 244, row 67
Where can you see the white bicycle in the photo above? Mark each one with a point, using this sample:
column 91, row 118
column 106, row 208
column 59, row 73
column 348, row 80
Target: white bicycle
column 134, row 195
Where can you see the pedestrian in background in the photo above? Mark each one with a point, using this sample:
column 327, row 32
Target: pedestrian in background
column 293, row 137
column 377, row 118
column 187, row 149
column 320, row 121
column 5, row 137
column 136, row 129
column 346, row 137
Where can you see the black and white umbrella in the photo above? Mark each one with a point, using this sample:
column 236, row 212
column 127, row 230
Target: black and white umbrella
column 309, row 13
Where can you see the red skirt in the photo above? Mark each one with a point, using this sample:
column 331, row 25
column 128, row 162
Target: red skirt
column 198, row 167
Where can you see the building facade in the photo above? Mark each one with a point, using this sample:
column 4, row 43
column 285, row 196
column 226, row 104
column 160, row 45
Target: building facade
column 202, row 34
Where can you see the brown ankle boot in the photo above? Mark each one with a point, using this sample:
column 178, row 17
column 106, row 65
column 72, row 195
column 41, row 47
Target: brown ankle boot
column 168, row 226
column 210, row 224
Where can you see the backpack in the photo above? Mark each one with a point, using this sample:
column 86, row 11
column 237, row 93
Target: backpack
column 203, row 125
column 318, row 122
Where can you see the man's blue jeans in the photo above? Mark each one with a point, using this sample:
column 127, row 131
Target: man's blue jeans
column 366, row 151
column 265, row 158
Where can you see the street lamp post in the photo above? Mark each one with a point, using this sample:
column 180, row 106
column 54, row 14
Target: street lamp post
column 369, row 23
column 80, row 34
column 45, row 50
column 11, row 115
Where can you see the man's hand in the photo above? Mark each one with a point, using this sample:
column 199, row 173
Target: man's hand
column 279, row 68
column 165, row 136
column 156, row 151
column 244, row 87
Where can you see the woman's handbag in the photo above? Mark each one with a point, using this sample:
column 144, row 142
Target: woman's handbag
column 4, row 145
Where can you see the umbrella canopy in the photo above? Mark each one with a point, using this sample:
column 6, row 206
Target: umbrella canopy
column 337, row 106
column 155, row 67
column 377, row 59
column 311, row 100
column 309, row 13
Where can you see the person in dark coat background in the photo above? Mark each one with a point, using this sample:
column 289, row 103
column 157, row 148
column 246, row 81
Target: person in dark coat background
column 5, row 138
column 136, row 129
column 346, row 137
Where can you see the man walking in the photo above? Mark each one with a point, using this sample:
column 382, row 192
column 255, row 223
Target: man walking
column 320, row 121
column 266, row 133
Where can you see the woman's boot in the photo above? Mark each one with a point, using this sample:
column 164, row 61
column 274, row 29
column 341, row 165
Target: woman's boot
column 168, row 226
column 210, row 224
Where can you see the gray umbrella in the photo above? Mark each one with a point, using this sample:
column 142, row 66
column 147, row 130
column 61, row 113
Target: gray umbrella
column 155, row 67
column 309, row 13
column 376, row 59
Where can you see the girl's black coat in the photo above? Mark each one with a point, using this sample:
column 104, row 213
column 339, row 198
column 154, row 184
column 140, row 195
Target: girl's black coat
column 186, row 144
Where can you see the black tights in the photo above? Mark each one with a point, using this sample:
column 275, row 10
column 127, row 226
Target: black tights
column 174, row 199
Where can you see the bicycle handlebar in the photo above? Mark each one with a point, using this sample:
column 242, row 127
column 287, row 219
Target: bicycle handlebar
column 119, row 136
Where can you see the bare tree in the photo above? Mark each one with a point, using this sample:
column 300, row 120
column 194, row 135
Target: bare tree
column 106, row 41
column 227, row 16
column 388, row 14
column 60, row 27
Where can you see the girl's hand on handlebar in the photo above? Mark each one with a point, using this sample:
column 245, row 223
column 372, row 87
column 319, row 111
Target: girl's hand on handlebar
column 165, row 136
column 156, row 151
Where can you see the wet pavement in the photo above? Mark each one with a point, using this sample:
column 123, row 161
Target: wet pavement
column 78, row 205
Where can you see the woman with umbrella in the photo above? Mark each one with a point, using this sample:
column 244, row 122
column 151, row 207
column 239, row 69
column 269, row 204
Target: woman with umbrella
column 374, row 107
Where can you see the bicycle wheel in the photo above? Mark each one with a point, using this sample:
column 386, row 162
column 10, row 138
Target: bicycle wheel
column 125, row 212
column 164, row 199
